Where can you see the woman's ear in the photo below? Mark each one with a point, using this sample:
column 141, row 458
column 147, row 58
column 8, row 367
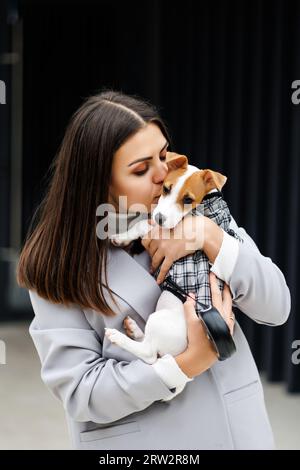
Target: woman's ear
column 175, row 161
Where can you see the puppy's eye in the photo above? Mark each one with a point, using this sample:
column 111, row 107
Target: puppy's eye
column 187, row 200
column 166, row 190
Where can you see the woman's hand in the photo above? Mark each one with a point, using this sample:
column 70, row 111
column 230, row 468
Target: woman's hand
column 223, row 303
column 200, row 353
column 168, row 245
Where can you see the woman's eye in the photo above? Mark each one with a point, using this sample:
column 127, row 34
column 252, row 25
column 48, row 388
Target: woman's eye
column 142, row 172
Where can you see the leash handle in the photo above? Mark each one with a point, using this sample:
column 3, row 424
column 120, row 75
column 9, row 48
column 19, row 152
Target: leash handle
column 216, row 327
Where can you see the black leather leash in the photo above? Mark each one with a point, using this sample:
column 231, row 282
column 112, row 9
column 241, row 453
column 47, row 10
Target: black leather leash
column 216, row 327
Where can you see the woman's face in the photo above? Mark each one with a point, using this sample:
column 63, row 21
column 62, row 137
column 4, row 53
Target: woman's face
column 139, row 169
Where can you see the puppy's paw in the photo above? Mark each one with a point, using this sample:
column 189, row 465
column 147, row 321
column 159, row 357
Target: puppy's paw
column 120, row 239
column 115, row 336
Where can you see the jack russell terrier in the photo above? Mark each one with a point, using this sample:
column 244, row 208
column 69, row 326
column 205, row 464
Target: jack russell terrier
column 184, row 190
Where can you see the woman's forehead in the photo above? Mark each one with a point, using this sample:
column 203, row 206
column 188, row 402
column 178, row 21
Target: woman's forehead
column 145, row 143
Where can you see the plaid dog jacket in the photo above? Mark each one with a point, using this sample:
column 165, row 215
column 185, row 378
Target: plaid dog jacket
column 191, row 272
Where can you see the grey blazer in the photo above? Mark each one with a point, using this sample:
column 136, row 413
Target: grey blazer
column 113, row 400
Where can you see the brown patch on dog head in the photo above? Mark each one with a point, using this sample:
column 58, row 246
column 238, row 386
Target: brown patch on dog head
column 198, row 185
column 177, row 165
column 213, row 179
column 176, row 161
column 193, row 188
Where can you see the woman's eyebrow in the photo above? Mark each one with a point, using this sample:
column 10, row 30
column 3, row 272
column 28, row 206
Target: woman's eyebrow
column 147, row 158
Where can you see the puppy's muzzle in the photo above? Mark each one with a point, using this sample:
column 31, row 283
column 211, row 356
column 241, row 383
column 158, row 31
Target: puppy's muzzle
column 160, row 218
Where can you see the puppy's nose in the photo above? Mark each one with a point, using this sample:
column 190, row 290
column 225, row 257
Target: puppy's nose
column 160, row 218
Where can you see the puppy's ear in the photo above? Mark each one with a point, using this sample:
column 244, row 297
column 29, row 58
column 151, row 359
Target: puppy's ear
column 212, row 180
column 175, row 161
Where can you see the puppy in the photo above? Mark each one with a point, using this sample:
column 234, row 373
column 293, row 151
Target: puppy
column 166, row 332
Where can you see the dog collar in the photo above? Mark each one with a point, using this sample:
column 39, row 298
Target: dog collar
column 214, row 194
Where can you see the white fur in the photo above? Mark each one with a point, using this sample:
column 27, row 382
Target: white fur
column 165, row 331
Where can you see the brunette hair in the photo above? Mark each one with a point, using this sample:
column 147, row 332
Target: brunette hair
column 62, row 258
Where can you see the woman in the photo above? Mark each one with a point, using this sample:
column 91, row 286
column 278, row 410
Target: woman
column 112, row 399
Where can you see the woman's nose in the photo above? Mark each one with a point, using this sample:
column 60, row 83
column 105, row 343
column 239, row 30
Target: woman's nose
column 160, row 173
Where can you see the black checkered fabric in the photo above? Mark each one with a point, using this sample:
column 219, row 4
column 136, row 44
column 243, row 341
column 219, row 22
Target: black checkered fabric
column 192, row 272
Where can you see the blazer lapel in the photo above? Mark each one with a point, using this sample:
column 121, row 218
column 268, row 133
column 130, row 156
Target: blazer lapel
column 131, row 282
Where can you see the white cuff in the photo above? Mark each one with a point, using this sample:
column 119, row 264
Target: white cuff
column 227, row 257
column 170, row 372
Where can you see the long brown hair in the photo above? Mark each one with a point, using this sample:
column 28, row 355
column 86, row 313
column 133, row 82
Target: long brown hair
column 62, row 258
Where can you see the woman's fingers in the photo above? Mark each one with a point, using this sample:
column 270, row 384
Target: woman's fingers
column 227, row 308
column 231, row 322
column 157, row 259
column 227, row 298
column 228, row 314
column 222, row 303
column 190, row 300
column 216, row 294
column 189, row 306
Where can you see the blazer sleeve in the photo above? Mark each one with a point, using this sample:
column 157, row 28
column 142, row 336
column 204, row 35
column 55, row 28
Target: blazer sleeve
column 91, row 387
column 257, row 285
